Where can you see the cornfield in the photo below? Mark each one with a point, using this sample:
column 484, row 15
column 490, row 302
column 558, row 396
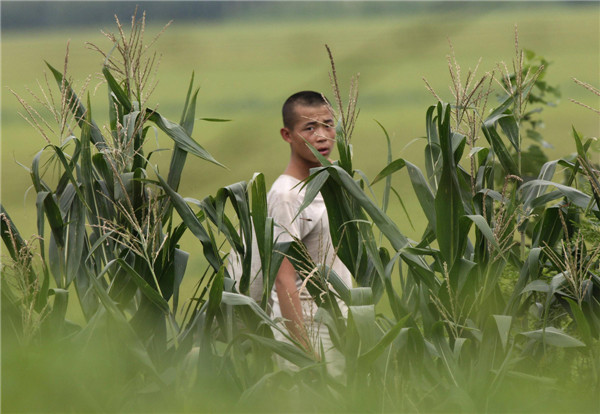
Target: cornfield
column 496, row 308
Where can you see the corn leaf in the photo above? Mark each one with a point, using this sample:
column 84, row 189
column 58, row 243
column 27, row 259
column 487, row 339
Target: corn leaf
column 448, row 203
column 192, row 222
column 583, row 328
column 500, row 150
column 369, row 357
column 79, row 109
column 180, row 136
column 577, row 197
column 554, row 336
column 116, row 89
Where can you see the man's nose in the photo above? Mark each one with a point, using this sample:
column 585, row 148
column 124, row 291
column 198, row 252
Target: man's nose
column 322, row 133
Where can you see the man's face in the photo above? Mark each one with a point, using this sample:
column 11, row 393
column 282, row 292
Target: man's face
column 315, row 125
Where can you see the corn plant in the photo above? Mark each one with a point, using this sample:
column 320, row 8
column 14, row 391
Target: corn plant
column 113, row 239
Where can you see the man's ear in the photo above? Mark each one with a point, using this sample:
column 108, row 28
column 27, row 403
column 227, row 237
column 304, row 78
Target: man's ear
column 286, row 134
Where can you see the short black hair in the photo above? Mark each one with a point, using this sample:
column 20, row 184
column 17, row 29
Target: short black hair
column 305, row 98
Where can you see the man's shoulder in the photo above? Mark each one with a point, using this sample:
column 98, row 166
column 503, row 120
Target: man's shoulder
column 286, row 186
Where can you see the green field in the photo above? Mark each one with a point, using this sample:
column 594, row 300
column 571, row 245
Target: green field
column 247, row 68
column 493, row 308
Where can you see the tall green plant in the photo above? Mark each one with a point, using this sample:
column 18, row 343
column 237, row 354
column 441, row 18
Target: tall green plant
column 113, row 240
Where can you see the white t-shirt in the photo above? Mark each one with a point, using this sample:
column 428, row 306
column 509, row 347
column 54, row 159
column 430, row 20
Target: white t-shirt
column 311, row 226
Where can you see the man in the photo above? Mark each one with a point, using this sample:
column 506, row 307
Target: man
column 307, row 120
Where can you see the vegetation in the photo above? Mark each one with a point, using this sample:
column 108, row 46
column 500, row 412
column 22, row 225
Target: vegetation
column 496, row 307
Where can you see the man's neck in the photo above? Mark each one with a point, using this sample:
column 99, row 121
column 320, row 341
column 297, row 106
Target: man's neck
column 297, row 171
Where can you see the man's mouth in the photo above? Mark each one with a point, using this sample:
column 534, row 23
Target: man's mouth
column 324, row 151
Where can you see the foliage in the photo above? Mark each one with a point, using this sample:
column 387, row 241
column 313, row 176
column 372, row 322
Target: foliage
column 495, row 308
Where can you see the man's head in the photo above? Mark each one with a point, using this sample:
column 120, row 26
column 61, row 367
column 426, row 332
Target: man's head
column 303, row 98
column 307, row 119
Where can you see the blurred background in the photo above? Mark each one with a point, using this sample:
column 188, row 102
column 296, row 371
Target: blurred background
column 248, row 57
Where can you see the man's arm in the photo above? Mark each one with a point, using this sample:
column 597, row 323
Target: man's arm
column 289, row 303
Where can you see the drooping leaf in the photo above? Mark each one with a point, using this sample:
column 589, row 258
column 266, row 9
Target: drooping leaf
column 285, row 350
column 536, row 286
column 392, row 167
column 554, row 336
column 179, row 135
column 577, row 197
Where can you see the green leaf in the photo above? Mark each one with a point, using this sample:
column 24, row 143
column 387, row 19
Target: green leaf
column 553, row 336
column 536, row 286
column 369, row 357
column 509, row 125
column 68, row 171
column 75, row 240
column 116, row 89
column 389, row 169
column 238, row 195
column 388, row 182
column 383, row 222
column 54, row 216
column 504, row 323
column 485, row 229
column 423, row 192
column 500, row 110
column 361, row 333
column 433, row 164
column 214, row 120
column 583, row 328
column 448, row 203
column 236, row 299
column 430, row 125
column 500, row 150
column 187, row 123
column 531, row 193
column 180, row 260
column 214, row 298
column 259, row 212
column 56, row 317
column 86, row 172
column 324, row 161
column 15, row 243
column 78, row 109
column 446, row 355
column 191, row 221
column 285, row 350
column 150, row 292
column 105, row 172
column 179, row 135
column 577, row 197
column 132, row 343
column 361, row 296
